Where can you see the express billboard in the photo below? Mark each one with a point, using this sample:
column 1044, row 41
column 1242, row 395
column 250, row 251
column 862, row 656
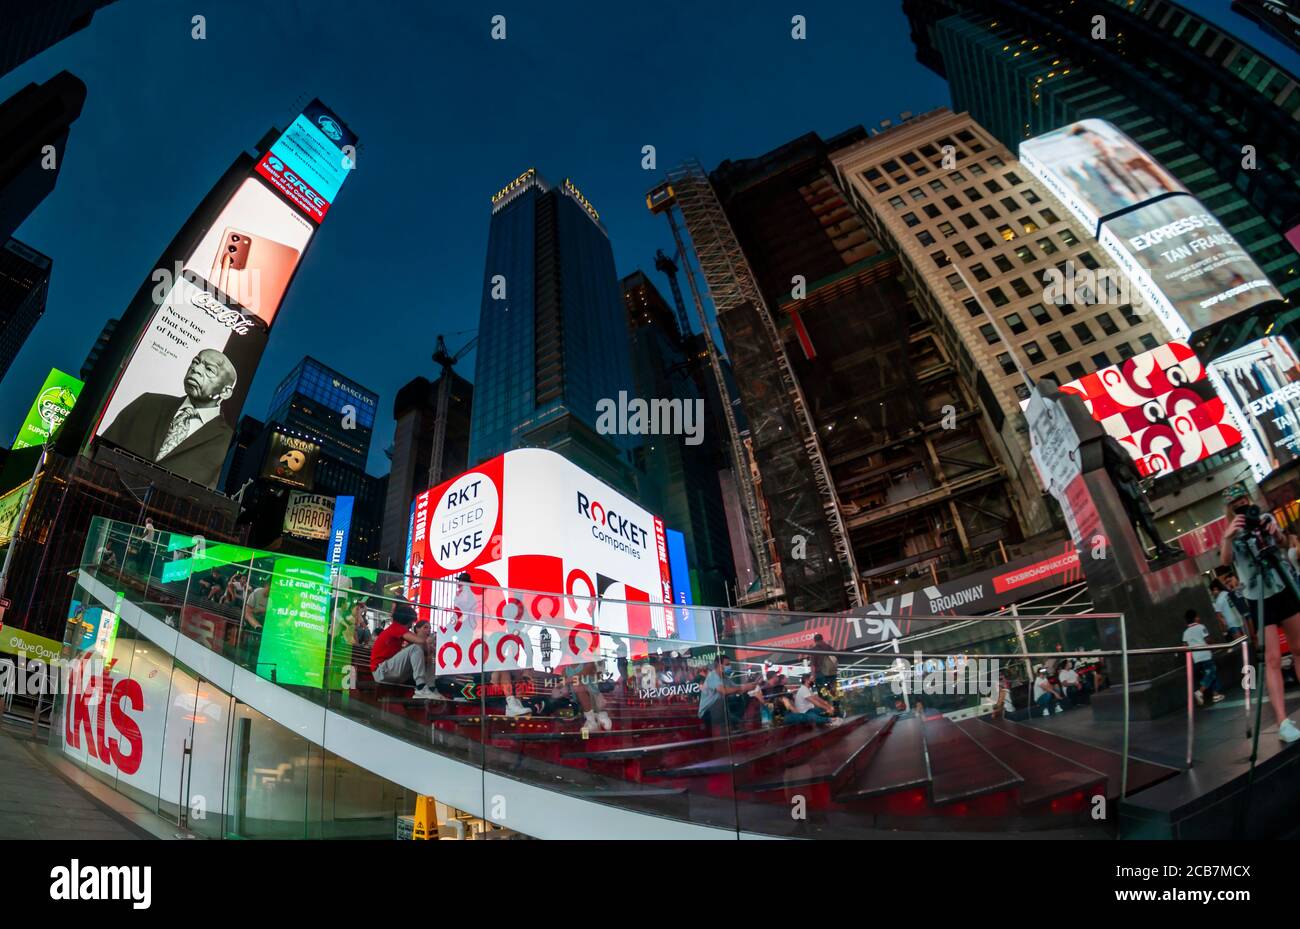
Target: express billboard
column 290, row 460
column 531, row 521
column 177, row 401
column 1260, row 382
column 1187, row 266
column 51, row 407
column 1160, row 406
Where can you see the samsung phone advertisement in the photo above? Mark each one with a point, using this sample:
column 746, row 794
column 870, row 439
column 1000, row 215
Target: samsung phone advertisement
column 1260, row 383
column 181, row 392
column 252, row 249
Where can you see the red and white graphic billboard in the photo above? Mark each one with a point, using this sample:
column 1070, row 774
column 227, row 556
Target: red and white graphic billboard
column 536, row 524
column 1161, row 407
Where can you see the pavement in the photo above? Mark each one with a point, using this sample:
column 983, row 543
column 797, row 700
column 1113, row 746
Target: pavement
column 41, row 799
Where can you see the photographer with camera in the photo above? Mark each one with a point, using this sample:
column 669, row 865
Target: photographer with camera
column 1251, row 545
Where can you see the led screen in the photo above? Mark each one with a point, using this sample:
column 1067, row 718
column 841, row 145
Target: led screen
column 309, row 162
column 291, row 460
column 309, row 516
column 1260, row 383
column 50, row 408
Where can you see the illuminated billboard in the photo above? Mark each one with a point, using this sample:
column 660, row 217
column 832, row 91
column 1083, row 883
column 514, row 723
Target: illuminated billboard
column 251, row 251
column 309, row 516
column 177, row 400
column 1260, row 383
column 310, row 160
column 530, row 520
column 51, row 407
column 1188, row 267
column 291, row 460
column 1161, row 408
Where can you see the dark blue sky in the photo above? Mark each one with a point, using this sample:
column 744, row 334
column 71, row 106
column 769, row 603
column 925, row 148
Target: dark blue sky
column 446, row 117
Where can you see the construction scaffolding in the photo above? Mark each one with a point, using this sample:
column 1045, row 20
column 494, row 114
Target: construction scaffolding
column 811, row 549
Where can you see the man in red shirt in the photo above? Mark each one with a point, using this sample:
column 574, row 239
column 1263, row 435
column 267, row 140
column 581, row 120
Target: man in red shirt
column 398, row 655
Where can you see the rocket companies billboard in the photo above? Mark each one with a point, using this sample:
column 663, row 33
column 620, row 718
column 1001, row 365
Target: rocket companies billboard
column 177, row 401
column 1261, row 384
column 50, row 408
column 531, row 521
column 1188, row 267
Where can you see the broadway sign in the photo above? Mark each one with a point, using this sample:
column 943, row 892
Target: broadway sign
column 912, row 612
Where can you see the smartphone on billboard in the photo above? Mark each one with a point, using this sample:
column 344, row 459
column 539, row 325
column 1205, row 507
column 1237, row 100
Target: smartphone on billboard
column 253, row 270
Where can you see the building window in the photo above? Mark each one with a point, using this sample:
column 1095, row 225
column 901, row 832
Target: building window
column 1148, row 341
column 1027, row 224
column 972, row 194
column 957, row 176
column 1031, row 197
column 892, row 167
column 1088, row 261
column 1009, row 204
column 995, row 161
column 931, row 210
column 1049, row 217
column 1048, row 246
column 1021, row 288
column 937, row 184
column 910, row 158
column 1107, row 324
column 940, row 259
column 924, row 237
column 1008, row 366
column 955, row 282
column 962, row 249
column 1034, row 353
column 1026, row 254
column 970, row 222
column 1040, row 314
column 1022, row 392
column 871, row 174
column 984, row 240
column 1068, row 237
column 1076, row 370
column 989, row 212
column 972, row 306
column 1060, row 344
column 916, row 193
column 947, row 229
column 952, row 203
column 1006, row 232
column 993, row 187
column 1084, row 334
column 990, row 334
column 981, row 273
column 1130, row 317
column 1100, row 360
column 911, row 219
column 896, row 202
column 977, row 170
column 1011, row 176
column 1015, row 323
column 998, row 297
column 1125, row 350
column 1002, row 262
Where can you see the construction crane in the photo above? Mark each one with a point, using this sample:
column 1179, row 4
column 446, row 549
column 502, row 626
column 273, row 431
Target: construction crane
column 666, row 265
column 447, row 361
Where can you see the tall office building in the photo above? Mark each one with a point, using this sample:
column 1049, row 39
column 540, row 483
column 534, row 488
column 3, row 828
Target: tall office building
column 32, row 26
column 415, row 466
column 97, row 350
column 34, row 124
column 1190, row 93
column 24, row 286
column 333, row 410
column 987, row 223
column 552, row 332
column 681, row 471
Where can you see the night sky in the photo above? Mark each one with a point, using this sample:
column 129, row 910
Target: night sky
column 446, row 117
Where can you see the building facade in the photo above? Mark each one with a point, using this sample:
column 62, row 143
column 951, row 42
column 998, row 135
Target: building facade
column 32, row 26
column 552, row 332
column 24, row 287
column 35, row 124
column 1224, row 119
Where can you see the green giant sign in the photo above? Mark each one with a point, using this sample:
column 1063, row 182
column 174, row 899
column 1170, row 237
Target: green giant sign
column 50, row 409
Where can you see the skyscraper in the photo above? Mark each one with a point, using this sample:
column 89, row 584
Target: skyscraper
column 552, row 332
column 24, row 285
column 32, row 26
column 34, row 124
column 416, row 411
column 333, row 410
column 1218, row 114
column 681, row 472
column 96, row 350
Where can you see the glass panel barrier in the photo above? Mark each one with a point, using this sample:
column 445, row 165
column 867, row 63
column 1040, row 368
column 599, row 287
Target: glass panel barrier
column 758, row 721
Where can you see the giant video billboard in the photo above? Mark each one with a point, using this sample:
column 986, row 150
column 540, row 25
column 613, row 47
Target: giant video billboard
column 177, row 401
column 1188, row 267
column 1161, row 407
column 1261, row 384
column 51, row 407
column 573, row 553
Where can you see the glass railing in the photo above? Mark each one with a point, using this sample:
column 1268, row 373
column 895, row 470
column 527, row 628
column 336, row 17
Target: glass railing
column 772, row 723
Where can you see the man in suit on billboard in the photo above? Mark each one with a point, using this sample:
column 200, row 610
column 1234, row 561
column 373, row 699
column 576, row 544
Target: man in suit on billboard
column 186, row 435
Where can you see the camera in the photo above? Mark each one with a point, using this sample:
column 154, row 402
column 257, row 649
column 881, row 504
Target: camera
column 1252, row 518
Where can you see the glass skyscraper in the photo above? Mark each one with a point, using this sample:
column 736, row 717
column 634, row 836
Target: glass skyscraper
column 553, row 338
column 1190, row 93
